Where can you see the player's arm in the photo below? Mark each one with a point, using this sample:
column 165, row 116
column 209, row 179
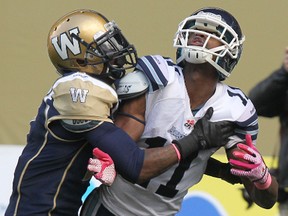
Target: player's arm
column 138, row 165
column 131, row 116
column 249, row 165
column 218, row 169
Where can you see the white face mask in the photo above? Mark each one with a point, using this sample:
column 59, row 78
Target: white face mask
column 211, row 26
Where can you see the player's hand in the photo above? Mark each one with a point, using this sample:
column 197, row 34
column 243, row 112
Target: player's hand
column 249, row 163
column 205, row 135
column 103, row 167
column 212, row 134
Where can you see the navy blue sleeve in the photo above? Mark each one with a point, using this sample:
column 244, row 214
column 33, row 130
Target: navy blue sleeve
column 127, row 156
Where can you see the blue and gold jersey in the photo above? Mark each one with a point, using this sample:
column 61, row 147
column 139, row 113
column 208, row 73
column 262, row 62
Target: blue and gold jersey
column 74, row 118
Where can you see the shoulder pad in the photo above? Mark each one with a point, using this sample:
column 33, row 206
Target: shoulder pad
column 132, row 85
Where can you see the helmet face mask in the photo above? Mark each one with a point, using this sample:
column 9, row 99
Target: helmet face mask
column 212, row 23
column 86, row 41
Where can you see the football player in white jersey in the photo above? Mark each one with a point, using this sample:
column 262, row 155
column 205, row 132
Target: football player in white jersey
column 89, row 52
column 209, row 45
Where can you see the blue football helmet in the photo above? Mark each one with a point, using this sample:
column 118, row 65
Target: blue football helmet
column 214, row 23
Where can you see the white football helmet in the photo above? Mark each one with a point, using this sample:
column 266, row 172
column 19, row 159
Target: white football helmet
column 215, row 23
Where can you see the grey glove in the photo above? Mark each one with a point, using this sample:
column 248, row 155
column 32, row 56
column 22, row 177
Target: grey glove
column 205, row 135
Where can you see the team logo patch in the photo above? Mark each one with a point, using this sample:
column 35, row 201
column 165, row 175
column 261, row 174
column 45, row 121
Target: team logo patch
column 189, row 124
column 78, row 95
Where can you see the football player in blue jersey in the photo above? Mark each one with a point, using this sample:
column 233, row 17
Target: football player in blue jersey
column 209, row 44
column 90, row 53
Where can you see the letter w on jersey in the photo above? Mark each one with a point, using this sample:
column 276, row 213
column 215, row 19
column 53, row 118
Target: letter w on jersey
column 78, row 95
column 64, row 43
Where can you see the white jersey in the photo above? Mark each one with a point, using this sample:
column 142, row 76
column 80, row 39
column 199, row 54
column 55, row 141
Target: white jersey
column 168, row 117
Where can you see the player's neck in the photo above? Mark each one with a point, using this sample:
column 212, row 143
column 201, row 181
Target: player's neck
column 200, row 85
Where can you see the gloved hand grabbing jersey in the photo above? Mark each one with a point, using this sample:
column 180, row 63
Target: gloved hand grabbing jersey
column 249, row 163
column 103, row 167
column 206, row 134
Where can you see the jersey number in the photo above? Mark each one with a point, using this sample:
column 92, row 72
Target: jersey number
column 169, row 189
column 237, row 93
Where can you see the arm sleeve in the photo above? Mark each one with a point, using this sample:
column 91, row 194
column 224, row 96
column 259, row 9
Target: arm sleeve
column 128, row 158
column 221, row 170
column 268, row 96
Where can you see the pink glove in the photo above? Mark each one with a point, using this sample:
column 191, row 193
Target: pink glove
column 250, row 164
column 103, row 167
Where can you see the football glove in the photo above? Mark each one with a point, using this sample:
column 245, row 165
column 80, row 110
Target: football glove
column 102, row 166
column 249, row 163
column 205, row 135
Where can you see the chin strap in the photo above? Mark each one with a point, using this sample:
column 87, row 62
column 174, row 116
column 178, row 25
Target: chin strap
column 195, row 56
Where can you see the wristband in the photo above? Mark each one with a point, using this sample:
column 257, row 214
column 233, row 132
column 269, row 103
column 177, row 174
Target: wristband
column 177, row 152
column 266, row 185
